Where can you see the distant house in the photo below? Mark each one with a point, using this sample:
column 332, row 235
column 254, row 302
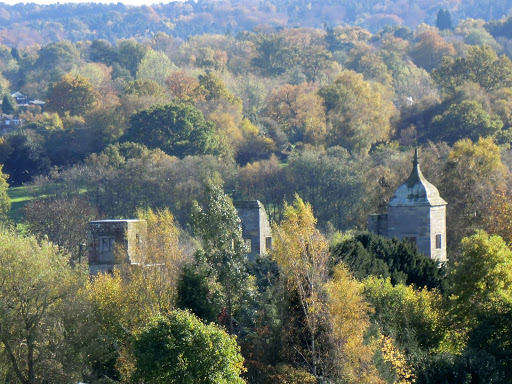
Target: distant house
column 9, row 123
column 20, row 98
column 23, row 101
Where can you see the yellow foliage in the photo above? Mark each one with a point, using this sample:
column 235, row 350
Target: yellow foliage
column 392, row 355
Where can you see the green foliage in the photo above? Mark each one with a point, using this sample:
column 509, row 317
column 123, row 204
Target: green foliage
column 196, row 294
column 415, row 318
column 179, row 348
column 223, row 249
column 177, row 129
column 5, row 201
column 368, row 254
column 465, row 120
column 481, row 65
column 481, row 278
column 7, row 105
column 37, row 286
column 75, row 95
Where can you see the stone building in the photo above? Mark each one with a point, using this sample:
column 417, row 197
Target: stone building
column 416, row 213
column 256, row 230
column 111, row 242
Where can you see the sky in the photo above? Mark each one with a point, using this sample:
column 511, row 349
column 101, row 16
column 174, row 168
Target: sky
column 127, row 2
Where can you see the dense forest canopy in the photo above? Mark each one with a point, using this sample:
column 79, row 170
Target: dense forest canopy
column 27, row 24
column 171, row 112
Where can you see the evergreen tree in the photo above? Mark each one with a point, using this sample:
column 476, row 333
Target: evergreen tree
column 7, row 106
column 444, row 20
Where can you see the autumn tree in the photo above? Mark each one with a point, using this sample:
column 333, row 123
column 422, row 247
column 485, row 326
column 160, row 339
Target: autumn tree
column 498, row 221
column 62, row 220
column 301, row 253
column 481, row 65
column 299, row 112
column 358, row 111
column 164, row 257
column 430, row 49
column 181, row 85
column 471, row 175
column 71, row 94
column 37, row 288
column 351, row 357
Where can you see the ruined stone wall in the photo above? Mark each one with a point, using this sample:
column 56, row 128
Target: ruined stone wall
column 110, row 242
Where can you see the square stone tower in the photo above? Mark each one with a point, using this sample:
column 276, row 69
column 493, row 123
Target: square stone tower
column 256, row 230
column 111, row 242
column 416, row 213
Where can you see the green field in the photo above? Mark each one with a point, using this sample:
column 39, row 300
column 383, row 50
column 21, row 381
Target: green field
column 19, row 197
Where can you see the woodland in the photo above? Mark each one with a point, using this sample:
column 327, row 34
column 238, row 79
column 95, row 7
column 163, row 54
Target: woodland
column 165, row 114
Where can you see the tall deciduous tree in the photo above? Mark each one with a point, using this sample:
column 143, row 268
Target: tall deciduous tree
column 358, row 111
column 62, row 220
column 72, row 94
column 163, row 256
column 35, row 285
column 219, row 228
column 178, row 129
column 472, row 174
column 302, row 256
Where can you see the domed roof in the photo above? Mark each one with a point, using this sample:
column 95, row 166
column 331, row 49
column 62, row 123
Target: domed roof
column 416, row 190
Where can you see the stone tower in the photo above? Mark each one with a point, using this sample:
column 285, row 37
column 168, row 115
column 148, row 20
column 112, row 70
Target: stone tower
column 416, row 213
column 111, row 242
column 256, row 230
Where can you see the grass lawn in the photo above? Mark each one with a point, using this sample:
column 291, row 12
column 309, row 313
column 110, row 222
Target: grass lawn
column 19, row 197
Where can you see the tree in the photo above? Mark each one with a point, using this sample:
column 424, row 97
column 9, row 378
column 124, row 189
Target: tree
column 428, row 53
column 178, row 129
column 180, row 349
column 71, row 94
column 181, row 85
column 131, row 54
column 414, row 317
column 299, row 112
column 164, row 258
column 466, row 119
column 223, row 249
column 444, row 19
column 472, row 174
column 273, row 54
column 481, row 65
column 155, row 66
column 481, row 278
column 367, row 254
column 62, row 220
column 36, row 285
column 349, row 321
column 5, row 201
column 7, row 106
column 301, row 253
column 358, row 111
